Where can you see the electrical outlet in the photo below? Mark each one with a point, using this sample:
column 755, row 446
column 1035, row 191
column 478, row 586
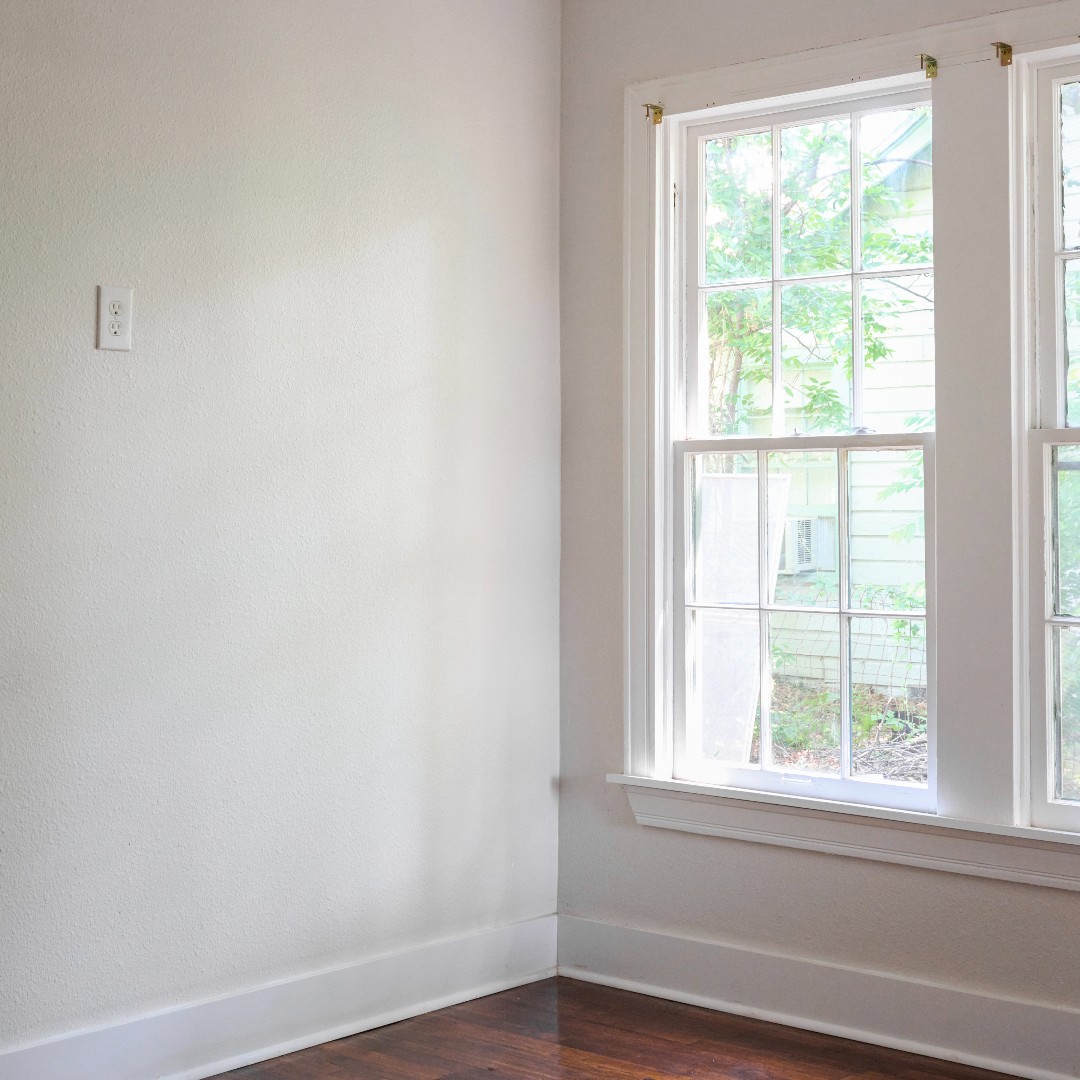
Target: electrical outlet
column 114, row 318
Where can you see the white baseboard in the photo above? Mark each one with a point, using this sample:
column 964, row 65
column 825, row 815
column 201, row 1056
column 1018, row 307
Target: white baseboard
column 193, row 1042
column 1018, row 1037
column 197, row 1041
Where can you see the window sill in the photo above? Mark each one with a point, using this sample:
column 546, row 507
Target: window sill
column 1010, row 853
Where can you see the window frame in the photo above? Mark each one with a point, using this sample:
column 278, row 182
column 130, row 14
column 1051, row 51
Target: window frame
column 989, row 806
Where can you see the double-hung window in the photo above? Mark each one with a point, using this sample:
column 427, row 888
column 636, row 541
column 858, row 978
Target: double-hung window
column 1055, row 447
column 802, row 647
column 853, row 451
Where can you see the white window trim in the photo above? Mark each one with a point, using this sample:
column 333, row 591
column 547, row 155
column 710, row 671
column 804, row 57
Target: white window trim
column 993, row 816
column 1032, row 856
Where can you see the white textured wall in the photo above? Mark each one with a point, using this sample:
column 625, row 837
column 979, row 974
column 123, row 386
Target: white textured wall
column 1004, row 938
column 278, row 589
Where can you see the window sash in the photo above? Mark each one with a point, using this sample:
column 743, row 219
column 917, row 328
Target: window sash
column 697, row 286
column 1050, row 256
column 845, row 788
column 1047, row 810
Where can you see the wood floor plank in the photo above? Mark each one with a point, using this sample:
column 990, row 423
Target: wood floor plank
column 645, row 1050
column 305, row 1065
column 460, row 1042
column 562, row 1029
column 356, row 1060
column 671, row 1020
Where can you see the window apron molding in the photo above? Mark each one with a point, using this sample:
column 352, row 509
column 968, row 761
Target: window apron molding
column 930, row 841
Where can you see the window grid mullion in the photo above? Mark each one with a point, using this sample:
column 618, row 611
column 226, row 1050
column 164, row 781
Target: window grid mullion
column 855, row 150
column 1051, row 634
column 845, row 620
column 1053, row 758
column 1060, row 355
column 764, row 658
column 777, row 266
column 857, row 345
column 1058, row 402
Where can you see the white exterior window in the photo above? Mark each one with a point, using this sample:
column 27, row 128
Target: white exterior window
column 802, row 647
column 1055, row 445
column 852, row 451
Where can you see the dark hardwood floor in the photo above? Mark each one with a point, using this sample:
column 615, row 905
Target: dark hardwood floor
column 562, row 1029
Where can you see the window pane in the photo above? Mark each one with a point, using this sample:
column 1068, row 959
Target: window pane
column 724, row 667
column 804, row 553
column 886, row 544
column 815, row 204
column 897, row 194
column 1066, row 490
column 804, row 714
column 1070, row 164
column 738, row 207
column 1067, row 663
column 898, row 353
column 1072, row 344
column 723, row 565
column 816, row 356
column 740, row 361
column 888, row 700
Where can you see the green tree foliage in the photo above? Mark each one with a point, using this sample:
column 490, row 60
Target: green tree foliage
column 814, row 225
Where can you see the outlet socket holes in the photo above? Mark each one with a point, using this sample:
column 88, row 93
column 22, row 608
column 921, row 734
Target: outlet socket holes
column 114, row 318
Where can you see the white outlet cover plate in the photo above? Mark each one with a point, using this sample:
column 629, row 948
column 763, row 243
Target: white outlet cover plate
column 114, row 318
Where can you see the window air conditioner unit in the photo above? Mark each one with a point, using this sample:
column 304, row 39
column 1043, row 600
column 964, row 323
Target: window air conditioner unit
column 809, row 545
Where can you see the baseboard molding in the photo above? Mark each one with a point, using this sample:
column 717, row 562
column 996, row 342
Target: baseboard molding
column 1017, row 1037
column 197, row 1041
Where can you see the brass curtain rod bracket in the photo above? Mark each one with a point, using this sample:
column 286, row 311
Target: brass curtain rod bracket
column 929, row 65
column 1004, row 52
column 655, row 113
